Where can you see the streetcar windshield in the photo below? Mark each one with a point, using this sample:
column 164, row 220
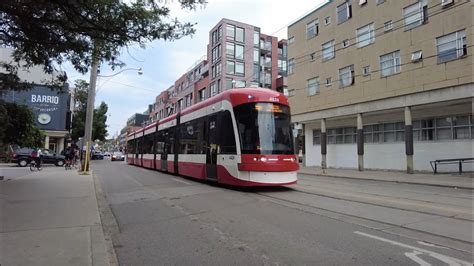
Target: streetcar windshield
column 264, row 128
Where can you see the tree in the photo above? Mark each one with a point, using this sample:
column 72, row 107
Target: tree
column 18, row 126
column 99, row 127
column 49, row 32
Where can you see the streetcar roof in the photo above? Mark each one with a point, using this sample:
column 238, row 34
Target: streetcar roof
column 234, row 96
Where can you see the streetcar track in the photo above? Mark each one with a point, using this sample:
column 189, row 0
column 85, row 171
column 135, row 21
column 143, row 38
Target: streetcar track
column 387, row 195
column 374, row 183
column 381, row 205
column 389, row 225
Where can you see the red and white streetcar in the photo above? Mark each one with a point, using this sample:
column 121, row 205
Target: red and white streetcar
column 240, row 137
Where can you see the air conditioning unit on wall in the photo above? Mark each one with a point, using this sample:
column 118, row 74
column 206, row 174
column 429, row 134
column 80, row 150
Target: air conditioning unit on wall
column 446, row 2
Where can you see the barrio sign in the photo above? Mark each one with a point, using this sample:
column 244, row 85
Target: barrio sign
column 44, row 99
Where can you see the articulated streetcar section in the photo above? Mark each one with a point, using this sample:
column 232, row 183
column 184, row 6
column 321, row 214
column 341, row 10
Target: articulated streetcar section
column 240, row 137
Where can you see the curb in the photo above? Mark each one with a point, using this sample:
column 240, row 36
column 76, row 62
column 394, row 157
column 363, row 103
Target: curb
column 108, row 222
column 391, row 181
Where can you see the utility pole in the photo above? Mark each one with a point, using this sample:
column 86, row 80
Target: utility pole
column 90, row 108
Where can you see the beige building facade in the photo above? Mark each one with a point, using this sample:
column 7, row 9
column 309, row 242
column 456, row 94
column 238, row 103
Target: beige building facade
column 383, row 84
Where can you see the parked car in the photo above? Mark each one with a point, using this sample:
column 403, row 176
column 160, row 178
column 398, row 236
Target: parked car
column 118, row 156
column 23, row 157
column 107, row 154
column 97, row 155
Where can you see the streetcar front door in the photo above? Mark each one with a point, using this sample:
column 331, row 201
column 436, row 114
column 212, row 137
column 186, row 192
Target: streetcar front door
column 211, row 148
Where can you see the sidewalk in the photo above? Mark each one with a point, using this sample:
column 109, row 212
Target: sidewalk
column 465, row 180
column 50, row 218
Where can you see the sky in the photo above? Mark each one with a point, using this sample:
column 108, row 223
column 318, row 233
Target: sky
column 162, row 62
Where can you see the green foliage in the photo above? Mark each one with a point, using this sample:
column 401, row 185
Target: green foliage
column 99, row 127
column 52, row 32
column 18, row 126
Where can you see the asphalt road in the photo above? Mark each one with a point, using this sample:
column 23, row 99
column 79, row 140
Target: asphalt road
column 166, row 219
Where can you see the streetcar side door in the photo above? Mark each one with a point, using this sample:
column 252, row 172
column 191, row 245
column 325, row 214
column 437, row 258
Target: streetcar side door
column 164, row 153
column 211, row 147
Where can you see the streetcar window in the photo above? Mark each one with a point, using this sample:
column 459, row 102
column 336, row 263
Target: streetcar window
column 131, row 146
column 160, row 144
column 148, row 144
column 226, row 132
column 264, row 128
column 192, row 137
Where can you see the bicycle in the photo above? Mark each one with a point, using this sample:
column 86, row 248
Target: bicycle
column 68, row 165
column 34, row 165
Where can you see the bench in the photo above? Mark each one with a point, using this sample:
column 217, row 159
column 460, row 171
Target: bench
column 460, row 161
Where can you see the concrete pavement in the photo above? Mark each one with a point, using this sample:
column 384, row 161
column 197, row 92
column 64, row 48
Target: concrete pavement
column 50, row 218
column 455, row 180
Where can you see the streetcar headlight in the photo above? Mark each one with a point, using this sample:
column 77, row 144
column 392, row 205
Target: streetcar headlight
column 255, row 159
column 263, row 159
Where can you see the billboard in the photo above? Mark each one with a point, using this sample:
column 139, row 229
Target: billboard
column 50, row 107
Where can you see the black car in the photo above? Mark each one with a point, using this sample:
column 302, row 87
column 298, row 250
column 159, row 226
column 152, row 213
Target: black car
column 23, row 157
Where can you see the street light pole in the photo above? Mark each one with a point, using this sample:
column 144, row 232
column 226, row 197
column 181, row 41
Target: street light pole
column 90, row 109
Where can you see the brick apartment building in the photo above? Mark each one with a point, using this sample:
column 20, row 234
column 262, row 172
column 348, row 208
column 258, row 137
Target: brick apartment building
column 238, row 55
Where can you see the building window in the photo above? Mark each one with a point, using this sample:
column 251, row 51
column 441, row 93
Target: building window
column 346, row 76
column 291, row 92
column 345, row 43
column 230, row 32
column 327, row 21
column 216, row 53
column 215, row 88
column 365, row 35
column 366, row 70
column 416, row 14
column 328, row 82
column 239, row 84
column 239, row 68
column 230, row 67
column 443, row 128
column 344, row 12
column 235, row 51
column 281, row 66
column 390, row 64
column 388, row 26
column 451, row 46
column 256, row 38
column 328, row 50
column 345, row 135
column 312, row 29
column 313, row 86
column 235, row 68
column 216, row 35
column 386, row 132
column 291, row 66
column 291, row 40
column 202, row 94
column 380, row 2
column 256, row 73
column 239, row 34
column 256, row 55
column 316, row 137
column 417, row 56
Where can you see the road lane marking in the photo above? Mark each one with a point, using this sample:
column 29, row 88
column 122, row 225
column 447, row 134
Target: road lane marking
column 181, row 181
column 430, row 245
column 414, row 257
column 449, row 260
